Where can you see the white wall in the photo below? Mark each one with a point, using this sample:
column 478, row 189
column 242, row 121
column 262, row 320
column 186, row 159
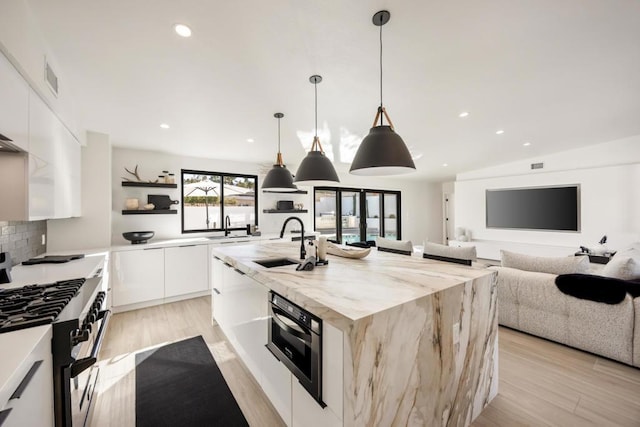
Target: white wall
column 421, row 204
column 609, row 178
column 93, row 228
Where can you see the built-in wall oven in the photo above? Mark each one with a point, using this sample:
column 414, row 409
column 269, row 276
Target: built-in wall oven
column 295, row 338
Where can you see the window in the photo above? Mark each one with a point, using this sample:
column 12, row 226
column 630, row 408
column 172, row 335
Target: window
column 356, row 215
column 209, row 197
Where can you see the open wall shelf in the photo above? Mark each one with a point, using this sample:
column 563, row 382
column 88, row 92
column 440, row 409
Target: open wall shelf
column 285, row 211
column 148, row 184
column 150, row 212
column 286, row 192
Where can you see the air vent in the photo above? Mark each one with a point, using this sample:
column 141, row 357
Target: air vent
column 537, row 165
column 51, row 78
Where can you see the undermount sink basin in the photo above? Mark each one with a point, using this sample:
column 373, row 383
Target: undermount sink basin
column 275, row 262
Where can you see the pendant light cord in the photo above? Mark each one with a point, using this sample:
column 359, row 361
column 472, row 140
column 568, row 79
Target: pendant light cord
column 315, row 88
column 380, row 64
column 278, row 134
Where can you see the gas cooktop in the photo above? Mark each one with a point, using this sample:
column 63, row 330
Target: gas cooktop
column 35, row 305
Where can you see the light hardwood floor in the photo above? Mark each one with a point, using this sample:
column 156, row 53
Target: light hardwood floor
column 540, row 383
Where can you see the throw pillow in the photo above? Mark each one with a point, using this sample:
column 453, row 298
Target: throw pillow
column 622, row 267
column 551, row 265
column 597, row 288
column 464, row 252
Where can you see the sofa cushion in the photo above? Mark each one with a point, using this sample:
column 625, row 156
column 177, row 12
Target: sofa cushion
column 624, row 265
column 551, row 265
column 597, row 288
column 462, row 255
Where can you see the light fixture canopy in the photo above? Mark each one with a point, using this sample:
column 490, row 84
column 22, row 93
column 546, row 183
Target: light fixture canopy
column 316, row 169
column 382, row 152
column 279, row 178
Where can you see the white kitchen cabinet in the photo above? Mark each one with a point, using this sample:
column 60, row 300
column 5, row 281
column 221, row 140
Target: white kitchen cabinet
column 67, row 176
column 41, row 189
column 14, row 108
column 248, row 300
column 137, row 276
column 305, row 410
column 276, row 382
column 185, row 270
column 218, row 305
column 31, row 389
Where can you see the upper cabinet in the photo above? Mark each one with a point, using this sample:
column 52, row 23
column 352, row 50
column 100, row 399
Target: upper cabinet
column 44, row 181
column 14, row 106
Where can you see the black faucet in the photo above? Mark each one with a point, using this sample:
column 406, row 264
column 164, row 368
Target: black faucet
column 303, row 253
column 227, row 224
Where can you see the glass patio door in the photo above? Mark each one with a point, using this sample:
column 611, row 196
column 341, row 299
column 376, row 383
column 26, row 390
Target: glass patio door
column 350, row 220
column 326, row 208
column 350, row 215
column 373, row 207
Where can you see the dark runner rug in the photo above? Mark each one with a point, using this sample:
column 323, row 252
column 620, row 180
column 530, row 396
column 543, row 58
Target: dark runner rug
column 180, row 384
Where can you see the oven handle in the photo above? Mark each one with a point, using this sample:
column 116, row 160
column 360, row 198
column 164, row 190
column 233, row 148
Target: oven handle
column 299, row 333
column 85, row 363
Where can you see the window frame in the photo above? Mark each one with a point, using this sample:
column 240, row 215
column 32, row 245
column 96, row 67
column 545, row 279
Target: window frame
column 363, row 192
column 222, row 175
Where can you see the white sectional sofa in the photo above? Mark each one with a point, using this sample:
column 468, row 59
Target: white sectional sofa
column 531, row 302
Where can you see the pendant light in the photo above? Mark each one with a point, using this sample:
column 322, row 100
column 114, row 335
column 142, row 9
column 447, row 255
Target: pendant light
column 382, row 152
column 316, row 169
column 279, row 178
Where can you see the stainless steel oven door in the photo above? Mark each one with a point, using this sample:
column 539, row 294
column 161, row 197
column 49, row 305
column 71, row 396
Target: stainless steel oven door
column 298, row 347
column 85, row 372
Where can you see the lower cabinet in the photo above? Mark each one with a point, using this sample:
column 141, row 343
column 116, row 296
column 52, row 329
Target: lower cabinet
column 30, row 392
column 137, row 276
column 240, row 307
column 185, row 270
column 153, row 274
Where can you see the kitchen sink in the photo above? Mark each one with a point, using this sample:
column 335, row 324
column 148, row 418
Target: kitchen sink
column 275, row 262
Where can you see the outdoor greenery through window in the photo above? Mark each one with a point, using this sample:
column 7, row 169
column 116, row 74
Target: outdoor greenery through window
column 209, row 197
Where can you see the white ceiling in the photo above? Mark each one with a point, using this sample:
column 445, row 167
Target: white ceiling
column 557, row 74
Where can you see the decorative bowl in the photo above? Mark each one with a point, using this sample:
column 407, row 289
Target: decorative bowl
column 138, row 237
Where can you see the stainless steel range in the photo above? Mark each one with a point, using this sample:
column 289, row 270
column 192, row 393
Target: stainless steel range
column 77, row 311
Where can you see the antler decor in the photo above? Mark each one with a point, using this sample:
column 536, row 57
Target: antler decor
column 135, row 173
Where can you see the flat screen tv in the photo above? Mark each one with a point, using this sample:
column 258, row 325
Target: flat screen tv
column 539, row 208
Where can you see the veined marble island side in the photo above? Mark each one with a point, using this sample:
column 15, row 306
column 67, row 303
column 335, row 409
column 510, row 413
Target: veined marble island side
column 420, row 337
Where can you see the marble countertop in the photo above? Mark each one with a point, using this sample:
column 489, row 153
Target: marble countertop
column 209, row 240
column 46, row 273
column 347, row 290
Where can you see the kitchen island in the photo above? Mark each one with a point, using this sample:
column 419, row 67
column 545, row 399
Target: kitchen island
column 419, row 337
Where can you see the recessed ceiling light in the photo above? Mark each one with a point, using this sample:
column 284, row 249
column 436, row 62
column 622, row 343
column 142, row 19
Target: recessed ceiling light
column 250, row 140
column 526, row 144
column 182, row 30
column 164, row 126
column 499, row 132
column 445, row 165
column 463, row 114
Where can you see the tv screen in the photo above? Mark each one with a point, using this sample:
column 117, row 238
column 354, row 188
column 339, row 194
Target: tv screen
column 541, row 208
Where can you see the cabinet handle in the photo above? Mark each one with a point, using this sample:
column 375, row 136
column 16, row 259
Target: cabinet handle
column 186, row 246
column 216, row 291
column 238, row 271
column 152, row 249
column 25, row 381
column 3, row 415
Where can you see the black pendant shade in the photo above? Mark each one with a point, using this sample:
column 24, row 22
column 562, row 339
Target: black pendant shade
column 279, row 178
column 382, row 152
column 316, row 169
